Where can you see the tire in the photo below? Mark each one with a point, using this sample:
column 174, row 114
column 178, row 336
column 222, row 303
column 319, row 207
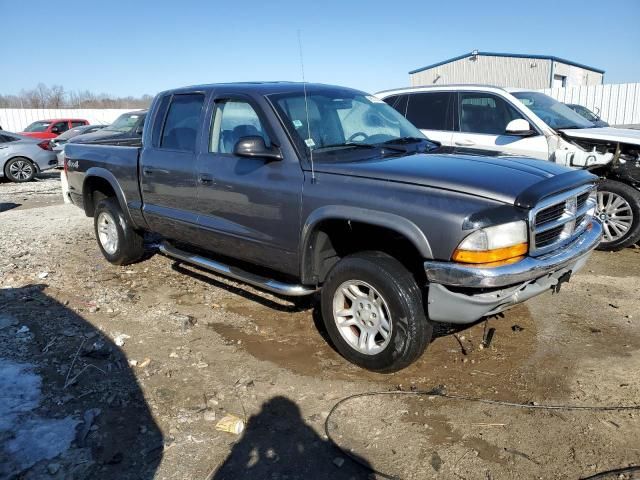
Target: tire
column 20, row 170
column 618, row 204
column 399, row 300
column 118, row 241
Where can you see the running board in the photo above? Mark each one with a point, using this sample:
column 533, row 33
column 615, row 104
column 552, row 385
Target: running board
column 287, row 289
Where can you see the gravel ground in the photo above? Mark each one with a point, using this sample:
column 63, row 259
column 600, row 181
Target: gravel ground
column 124, row 372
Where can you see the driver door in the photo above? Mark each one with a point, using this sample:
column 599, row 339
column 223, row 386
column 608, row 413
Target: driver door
column 248, row 208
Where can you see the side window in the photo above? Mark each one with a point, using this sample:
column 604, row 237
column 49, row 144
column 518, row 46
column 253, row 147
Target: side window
column 61, row 127
column 431, row 111
column 485, row 113
column 232, row 120
column 181, row 124
column 77, row 123
column 392, row 100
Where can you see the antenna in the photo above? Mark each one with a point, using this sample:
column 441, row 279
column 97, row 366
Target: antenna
column 309, row 141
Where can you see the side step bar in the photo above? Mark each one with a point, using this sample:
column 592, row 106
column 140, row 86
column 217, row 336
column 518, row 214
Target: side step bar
column 287, row 289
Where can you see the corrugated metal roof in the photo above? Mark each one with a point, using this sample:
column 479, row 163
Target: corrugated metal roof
column 514, row 55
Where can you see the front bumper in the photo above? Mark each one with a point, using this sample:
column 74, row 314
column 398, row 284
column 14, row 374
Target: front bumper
column 501, row 287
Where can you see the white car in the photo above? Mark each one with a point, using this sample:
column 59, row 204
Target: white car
column 482, row 119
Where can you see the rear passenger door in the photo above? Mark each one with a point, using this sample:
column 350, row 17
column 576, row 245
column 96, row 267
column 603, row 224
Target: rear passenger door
column 483, row 119
column 432, row 113
column 167, row 167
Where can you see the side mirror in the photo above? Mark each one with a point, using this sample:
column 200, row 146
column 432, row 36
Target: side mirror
column 139, row 130
column 519, row 127
column 254, row 147
column 55, row 130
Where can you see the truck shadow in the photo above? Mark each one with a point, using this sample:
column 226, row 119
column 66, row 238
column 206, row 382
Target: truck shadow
column 277, row 443
column 81, row 379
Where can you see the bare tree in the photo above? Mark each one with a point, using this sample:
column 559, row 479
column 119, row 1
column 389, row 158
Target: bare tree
column 56, row 96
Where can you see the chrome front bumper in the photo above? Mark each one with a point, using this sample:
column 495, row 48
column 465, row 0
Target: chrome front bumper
column 501, row 287
column 530, row 268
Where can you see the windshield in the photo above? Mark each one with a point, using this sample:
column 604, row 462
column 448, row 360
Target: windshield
column 555, row 114
column 38, row 127
column 340, row 120
column 584, row 112
column 124, row 122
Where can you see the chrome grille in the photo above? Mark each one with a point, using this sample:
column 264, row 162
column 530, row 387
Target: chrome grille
column 558, row 220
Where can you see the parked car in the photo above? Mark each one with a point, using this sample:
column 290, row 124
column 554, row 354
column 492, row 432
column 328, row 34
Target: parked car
column 317, row 187
column 520, row 122
column 126, row 130
column 584, row 112
column 21, row 158
column 52, row 128
column 58, row 143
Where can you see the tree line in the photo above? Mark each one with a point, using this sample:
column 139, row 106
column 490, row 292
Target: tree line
column 55, row 96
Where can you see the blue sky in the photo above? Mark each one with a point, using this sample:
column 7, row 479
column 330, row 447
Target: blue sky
column 139, row 46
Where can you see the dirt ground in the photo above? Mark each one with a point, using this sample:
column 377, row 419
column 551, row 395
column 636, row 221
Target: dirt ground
column 124, row 372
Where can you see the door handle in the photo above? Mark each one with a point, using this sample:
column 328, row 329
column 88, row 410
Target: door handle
column 205, row 179
column 465, row 143
column 151, row 171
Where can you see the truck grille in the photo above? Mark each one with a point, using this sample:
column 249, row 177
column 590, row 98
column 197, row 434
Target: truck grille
column 560, row 219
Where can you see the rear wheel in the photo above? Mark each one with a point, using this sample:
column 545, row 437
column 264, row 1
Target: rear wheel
column 20, row 169
column 618, row 208
column 119, row 242
column 373, row 312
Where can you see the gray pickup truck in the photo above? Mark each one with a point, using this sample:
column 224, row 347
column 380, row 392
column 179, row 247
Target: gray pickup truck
column 296, row 188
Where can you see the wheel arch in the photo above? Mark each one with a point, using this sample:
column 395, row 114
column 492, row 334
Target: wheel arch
column 318, row 253
column 102, row 181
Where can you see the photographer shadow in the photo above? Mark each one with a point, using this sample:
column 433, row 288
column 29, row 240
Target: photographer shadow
column 278, row 444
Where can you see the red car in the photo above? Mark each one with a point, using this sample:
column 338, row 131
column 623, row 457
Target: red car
column 52, row 128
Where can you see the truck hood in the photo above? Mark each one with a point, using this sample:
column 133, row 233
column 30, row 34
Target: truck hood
column 497, row 178
column 608, row 134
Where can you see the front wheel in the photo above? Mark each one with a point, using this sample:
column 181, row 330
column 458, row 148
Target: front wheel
column 373, row 311
column 618, row 208
column 119, row 242
column 20, row 170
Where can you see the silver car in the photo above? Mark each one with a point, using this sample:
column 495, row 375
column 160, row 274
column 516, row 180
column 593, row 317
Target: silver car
column 58, row 143
column 21, row 158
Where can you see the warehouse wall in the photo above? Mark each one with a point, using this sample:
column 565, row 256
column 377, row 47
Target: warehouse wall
column 498, row 71
column 17, row 119
column 577, row 76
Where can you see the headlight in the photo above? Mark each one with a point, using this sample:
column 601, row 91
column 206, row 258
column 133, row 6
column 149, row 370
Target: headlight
column 494, row 244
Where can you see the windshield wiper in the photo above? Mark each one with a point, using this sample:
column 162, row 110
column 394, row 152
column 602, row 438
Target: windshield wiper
column 405, row 140
column 346, row 145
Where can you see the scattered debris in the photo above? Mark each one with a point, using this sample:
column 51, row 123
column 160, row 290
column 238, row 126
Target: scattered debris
column 612, row 305
column 43, row 275
column 23, row 329
column 486, row 341
column 209, row 416
column 338, row 462
column 517, row 328
column 436, row 461
column 89, row 417
column 231, row 424
column 145, row 363
column 120, row 338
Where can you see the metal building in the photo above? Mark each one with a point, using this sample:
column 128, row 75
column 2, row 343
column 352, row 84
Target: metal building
column 508, row 70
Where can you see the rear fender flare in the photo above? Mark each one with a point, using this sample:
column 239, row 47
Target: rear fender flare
column 103, row 173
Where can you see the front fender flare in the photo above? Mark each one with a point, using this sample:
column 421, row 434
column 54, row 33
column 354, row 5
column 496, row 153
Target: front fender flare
column 397, row 223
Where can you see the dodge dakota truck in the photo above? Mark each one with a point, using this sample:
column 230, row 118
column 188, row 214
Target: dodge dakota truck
column 298, row 188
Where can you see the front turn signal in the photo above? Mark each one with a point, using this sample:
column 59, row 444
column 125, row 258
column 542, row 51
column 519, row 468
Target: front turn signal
column 490, row 256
